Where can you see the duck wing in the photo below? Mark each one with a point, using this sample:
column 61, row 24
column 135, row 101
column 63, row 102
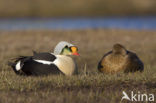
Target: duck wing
column 100, row 66
column 134, row 64
column 34, row 67
column 44, row 56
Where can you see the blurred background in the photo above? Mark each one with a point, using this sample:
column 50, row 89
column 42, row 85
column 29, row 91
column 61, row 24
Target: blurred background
column 77, row 14
column 76, row 8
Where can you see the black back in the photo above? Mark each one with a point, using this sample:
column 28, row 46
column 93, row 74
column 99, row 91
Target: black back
column 44, row 56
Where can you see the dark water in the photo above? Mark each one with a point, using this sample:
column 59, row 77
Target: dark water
column 79, row 23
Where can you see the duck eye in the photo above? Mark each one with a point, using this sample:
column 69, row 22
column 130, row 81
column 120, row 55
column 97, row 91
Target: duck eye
column 66, row 46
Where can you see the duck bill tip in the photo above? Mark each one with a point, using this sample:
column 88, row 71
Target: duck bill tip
column 77, row 54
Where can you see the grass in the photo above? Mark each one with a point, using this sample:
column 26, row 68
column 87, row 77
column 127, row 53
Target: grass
column 90, row 87
column 68, row 8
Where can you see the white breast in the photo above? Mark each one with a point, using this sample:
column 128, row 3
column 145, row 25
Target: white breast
column 65, row 64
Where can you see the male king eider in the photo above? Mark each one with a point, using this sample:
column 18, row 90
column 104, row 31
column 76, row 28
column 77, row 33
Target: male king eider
column 120, row 59
column 58, row 62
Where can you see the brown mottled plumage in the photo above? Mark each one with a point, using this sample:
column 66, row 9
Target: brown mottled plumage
column 120, row 59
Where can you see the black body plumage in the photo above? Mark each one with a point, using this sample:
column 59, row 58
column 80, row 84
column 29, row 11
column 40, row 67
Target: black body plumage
column 29, row 65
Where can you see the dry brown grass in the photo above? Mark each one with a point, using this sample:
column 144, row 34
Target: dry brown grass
column 84, row 88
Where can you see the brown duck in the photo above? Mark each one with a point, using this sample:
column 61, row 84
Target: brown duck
column 120, row 59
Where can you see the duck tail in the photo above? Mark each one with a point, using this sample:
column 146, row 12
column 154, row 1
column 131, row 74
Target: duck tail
column 17, row 63
column 13, row 66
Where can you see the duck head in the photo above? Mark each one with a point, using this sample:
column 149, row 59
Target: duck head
column 65, row 48
column 119, row 49
column 73, row 50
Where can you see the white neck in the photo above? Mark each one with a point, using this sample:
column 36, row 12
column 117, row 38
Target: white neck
column 65, row 64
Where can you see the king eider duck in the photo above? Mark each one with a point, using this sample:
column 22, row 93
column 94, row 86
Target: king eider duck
column 58, row 62
column 120, row 59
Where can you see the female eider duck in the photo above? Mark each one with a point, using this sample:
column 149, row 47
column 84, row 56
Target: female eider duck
column 58, row 62
column 120, row 59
